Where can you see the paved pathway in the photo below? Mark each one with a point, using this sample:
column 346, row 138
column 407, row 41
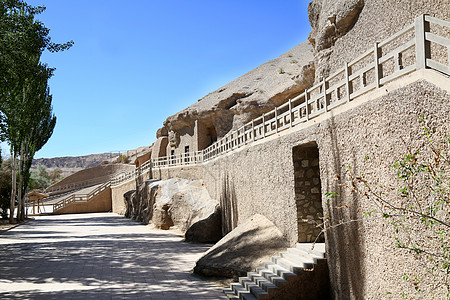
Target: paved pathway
column 98, row 256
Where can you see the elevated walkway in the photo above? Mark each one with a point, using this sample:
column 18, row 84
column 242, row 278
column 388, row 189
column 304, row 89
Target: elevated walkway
column 403, row 58
column 414, row 53
column 89, row 200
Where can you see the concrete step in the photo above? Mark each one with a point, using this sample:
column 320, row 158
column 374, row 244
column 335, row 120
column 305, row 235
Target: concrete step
column 317, row 249
column 254, row 288
column 288, row 265
column 271, row 276
column 242, row 292
column 257, row 285
column 230, row 294
column 261, row 281
column 307, row 262
column 311, row 257
column 279, row 270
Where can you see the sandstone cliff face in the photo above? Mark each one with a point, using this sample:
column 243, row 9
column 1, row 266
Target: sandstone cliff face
column 170, row 203
column 341, row 31
column 344, row 29
column 247, row 97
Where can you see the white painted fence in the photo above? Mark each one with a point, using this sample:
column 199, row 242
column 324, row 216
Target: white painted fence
column 408, row 50
column 403, row 53
column 80, row 197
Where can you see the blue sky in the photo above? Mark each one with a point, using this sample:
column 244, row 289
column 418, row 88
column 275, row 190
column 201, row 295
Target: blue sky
column 134, row 63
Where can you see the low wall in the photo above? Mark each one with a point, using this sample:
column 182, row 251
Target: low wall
column 118, row 204
column 117, row 192
column 261, row 178
column 99, row 203
column 89, row 177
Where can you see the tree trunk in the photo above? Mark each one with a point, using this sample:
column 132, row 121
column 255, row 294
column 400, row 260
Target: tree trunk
column 13, row 188
column 20, row 210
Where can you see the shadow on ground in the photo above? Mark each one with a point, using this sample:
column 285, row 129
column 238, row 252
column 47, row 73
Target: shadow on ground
column 99, row 257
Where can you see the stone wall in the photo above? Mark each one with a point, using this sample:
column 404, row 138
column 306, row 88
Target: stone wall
column 260, row 179
column 308, row 196
column 159, row 148
column 97, row 174
column 344, row 29
column 117, row 192
column 99, row 203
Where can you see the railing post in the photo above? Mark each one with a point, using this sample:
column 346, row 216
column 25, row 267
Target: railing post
column 325, row 102
column 290, row 113
column 306, row 104
column 253, row 129
column 376, row 54
column 422, row 46
column 347, row 82
column 264, row 125
column 276, row 119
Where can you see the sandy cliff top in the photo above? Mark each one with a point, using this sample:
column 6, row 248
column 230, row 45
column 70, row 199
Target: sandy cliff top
column 248, row 96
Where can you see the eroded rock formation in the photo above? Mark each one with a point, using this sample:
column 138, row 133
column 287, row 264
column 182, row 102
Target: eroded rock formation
column 329, row 21
column 252, row 94
column 344, row 29
column 176, row 203
column 246, row 247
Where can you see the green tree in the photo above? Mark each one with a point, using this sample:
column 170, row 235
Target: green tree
column 41, row 178
column 26, row 118
column 5, row 187
column 37, row 124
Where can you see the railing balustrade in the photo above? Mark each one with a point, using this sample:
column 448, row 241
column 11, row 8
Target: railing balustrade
column 80, row 197
column 403, row 53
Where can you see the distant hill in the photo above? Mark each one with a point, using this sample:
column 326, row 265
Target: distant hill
column 85, row 161
column 72, row 164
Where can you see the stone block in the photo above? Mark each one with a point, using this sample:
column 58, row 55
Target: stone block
column 310, row 173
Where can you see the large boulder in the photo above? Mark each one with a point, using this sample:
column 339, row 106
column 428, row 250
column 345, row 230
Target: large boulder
column 246, row 247
column 208, row 230
column 182, row 202
column 175, row 203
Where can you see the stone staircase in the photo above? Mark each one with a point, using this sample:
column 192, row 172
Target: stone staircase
column 298, row 273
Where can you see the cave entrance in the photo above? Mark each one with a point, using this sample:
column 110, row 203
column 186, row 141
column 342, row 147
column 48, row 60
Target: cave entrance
column 211, row 135
column 308, row 194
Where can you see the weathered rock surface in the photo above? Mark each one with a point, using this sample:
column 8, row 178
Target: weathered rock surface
column 344, row 29
column 258, row 91
column 330, row 20
column 246, row 247
column 208, row 230
column 174, row 202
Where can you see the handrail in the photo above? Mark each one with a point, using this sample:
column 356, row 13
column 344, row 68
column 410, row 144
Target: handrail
column 80, row 197
column 78, row 184
column 355, row 79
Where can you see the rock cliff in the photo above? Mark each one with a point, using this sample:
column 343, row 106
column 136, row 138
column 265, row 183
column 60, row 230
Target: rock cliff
column 344, row 29
column 252, row 94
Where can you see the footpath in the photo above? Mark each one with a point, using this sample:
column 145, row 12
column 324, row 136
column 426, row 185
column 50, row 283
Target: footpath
column 98, row 256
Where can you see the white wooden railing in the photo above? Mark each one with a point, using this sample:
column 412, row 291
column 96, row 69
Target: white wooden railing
column 130, row 175
column 78, row 185
column 80, row 197
column 403, row 53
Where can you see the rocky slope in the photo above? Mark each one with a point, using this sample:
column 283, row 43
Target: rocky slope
column 72, row 164
column 258, row 91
